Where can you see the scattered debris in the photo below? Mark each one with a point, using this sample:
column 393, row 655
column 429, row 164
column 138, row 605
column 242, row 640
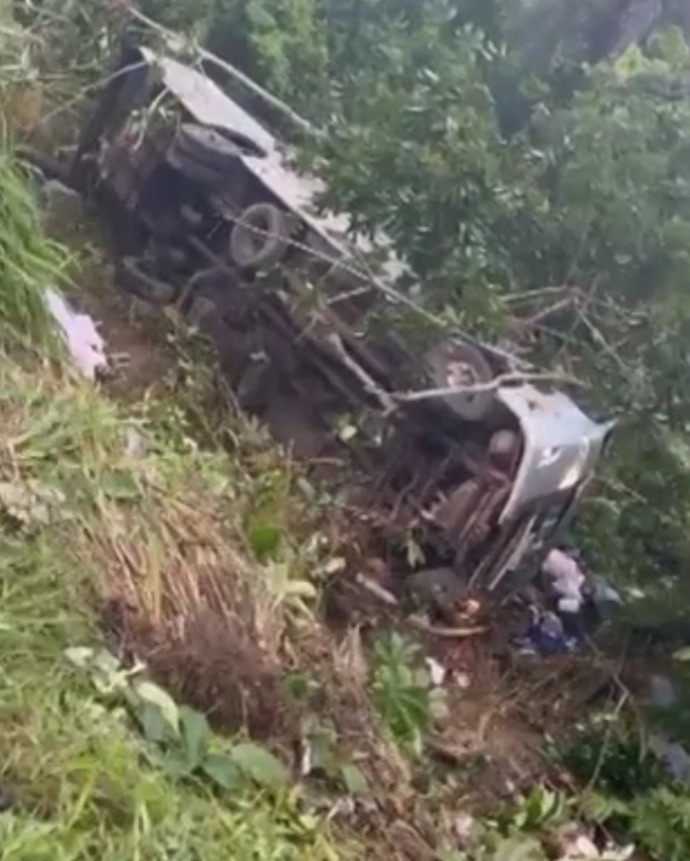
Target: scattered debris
column 85, row 345
column 462, row 680
column 567, row 579
column 30, row 504
column 377, row 590
column 437, row 672
column 674, row 756
column 570, row 605
column 576, row 846
column 466, row 830
column 545, row 636
column 618, row 853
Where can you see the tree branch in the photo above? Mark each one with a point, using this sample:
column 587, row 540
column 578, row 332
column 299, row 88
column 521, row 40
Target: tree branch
column 492, row 385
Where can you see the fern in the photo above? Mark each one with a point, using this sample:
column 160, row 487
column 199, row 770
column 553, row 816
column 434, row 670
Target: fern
column 660, row 822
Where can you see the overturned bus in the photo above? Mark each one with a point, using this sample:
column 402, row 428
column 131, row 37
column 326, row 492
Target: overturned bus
column 449, row 445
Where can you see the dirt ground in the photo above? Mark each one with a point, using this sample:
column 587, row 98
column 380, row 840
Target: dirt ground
column 135, row 335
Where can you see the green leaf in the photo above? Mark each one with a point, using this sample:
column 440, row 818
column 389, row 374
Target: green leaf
column 260, row 765
column 120, row 486
column 322, row 749
column 195, row 734
column 105, row 662
column 154, row 726
column 172, row 762
column 298, row 685
column 265, row 540
column 148, row 692
column 220, row 768
column 534, row 806
column 107, row 675
column 519, row 849
column 682, row 655
column 670, row 45
column 355, row 782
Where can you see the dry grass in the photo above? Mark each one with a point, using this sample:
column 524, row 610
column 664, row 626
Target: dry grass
column 177, row 594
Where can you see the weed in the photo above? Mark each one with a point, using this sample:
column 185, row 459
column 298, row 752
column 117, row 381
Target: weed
column 538, row 809
column 402, row 691
column 180, row 740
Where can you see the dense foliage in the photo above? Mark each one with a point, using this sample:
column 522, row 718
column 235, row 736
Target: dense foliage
column 537, row 198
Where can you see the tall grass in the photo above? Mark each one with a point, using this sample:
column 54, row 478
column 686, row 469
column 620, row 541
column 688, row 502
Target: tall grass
column 29, row 262
column 80, row 516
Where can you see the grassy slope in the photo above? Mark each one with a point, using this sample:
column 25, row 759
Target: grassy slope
column 81, row 788
column 80, row 513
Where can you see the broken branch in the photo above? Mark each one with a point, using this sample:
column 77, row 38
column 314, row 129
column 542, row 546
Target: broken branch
column 492, row 385
column 450, row 633
column 377, row 591
column 365, row 379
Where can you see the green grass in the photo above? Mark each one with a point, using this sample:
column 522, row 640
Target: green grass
column 82, row 788
column 81, row 516
column 28, row 262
